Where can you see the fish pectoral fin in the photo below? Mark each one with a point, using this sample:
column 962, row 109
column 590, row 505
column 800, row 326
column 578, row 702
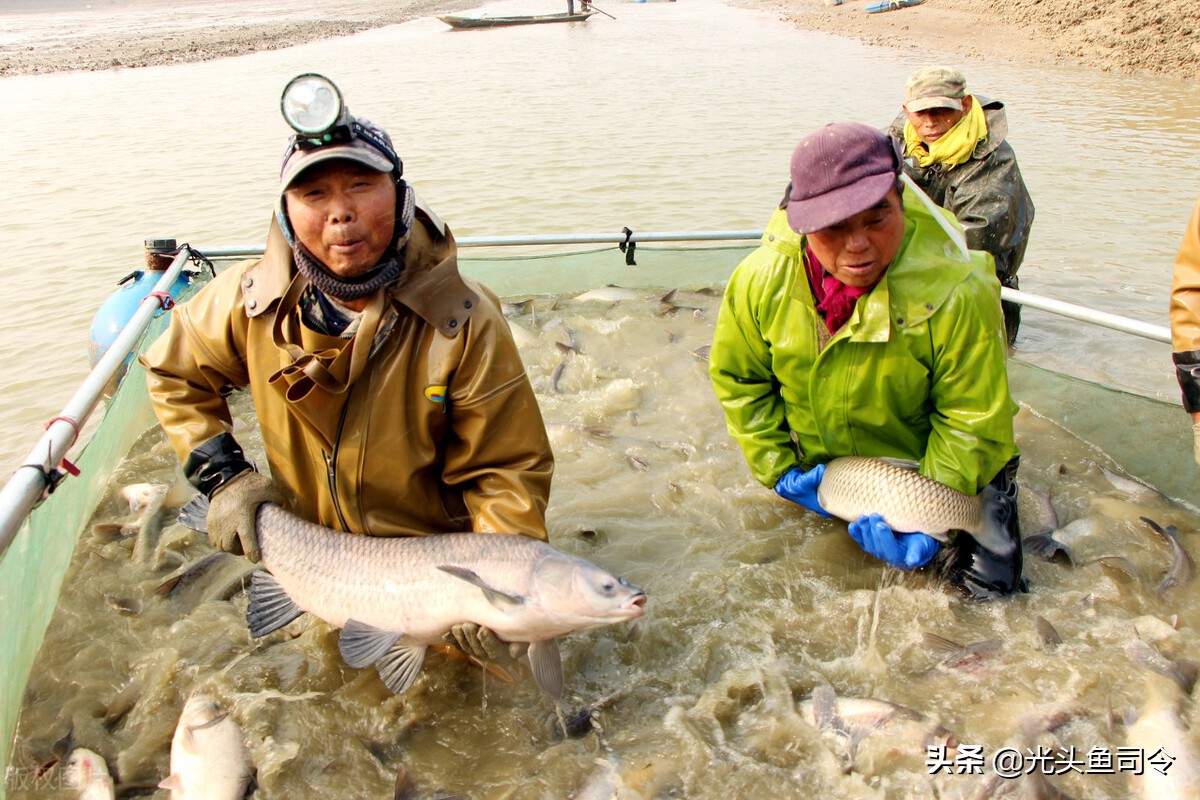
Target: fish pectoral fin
column 362, row 645
column 172, row 783
column 194, row 514
column 270, row 607
column 547, row 667
column 824, row 706
column 400, row 666
column 501, row 600
column 942, row 645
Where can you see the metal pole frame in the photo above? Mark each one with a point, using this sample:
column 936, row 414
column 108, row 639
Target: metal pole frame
column 30, row 481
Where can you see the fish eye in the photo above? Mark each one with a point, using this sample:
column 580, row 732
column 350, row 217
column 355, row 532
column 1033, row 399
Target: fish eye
column 608, row 585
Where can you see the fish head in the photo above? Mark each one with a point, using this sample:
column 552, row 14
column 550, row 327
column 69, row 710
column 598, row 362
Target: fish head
column 581, row 595
column 141, row 495
column 200, row 710
column 85, row 767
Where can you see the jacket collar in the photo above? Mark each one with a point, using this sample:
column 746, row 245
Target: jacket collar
column 430, row 285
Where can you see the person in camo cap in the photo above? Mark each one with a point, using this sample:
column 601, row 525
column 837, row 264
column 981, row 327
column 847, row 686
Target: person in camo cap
column 857, row 328
column 390, row 394
column 955, row 147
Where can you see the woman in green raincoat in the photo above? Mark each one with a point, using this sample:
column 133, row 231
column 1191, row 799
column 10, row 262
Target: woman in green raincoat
column 857, row 328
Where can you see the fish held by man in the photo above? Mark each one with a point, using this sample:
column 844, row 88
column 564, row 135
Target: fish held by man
column 910, row 502
column 393, row 597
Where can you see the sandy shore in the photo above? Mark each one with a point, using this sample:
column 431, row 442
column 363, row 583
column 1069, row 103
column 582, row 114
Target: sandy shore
column 107, row 34
column 1138, row 36
column 1148, row 36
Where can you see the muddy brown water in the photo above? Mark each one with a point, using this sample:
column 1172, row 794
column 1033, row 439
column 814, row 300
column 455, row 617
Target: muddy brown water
column 753, row 603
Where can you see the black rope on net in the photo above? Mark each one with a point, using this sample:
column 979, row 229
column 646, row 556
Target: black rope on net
column 628, row 246
column 200, row 261
column 53, row 476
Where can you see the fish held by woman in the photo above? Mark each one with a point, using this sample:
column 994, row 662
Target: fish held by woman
column 393, row 597
column 910, row 502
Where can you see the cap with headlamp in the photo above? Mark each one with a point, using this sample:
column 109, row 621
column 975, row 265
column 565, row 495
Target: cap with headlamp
column 325, row 130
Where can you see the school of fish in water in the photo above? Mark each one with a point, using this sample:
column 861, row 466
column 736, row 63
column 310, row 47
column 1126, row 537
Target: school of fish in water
column 773, row 658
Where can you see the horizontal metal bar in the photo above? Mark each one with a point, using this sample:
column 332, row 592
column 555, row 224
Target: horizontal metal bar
column 248, row 251
column 1158, row 333
column 28, row 482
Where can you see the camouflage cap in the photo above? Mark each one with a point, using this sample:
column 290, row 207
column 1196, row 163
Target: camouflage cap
column 934, row 87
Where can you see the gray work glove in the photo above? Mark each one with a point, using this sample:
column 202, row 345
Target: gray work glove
column 233, row 513
column 483, row 643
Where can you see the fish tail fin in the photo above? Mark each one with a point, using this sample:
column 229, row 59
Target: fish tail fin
column 998, row 510
column 194, row 514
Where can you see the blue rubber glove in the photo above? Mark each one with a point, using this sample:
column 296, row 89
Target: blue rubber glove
column 801, row 487
column 903, row 550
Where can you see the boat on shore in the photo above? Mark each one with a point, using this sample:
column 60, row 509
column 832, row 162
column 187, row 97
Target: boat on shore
column 36, row 548
column 890, row 5
column 499, row 22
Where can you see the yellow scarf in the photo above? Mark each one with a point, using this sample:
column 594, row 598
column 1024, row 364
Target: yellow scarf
column 955, row 146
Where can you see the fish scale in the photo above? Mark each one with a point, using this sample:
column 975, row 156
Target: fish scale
column 908, row 501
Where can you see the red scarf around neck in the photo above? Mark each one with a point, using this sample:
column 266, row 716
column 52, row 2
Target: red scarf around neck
column 835, row 300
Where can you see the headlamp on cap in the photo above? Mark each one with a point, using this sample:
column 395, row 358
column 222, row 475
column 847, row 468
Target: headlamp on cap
column 312, row 105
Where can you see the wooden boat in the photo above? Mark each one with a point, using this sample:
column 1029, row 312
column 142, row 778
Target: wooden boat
column 497, row 22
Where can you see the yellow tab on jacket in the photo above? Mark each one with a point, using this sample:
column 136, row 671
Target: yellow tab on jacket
column 436, row 393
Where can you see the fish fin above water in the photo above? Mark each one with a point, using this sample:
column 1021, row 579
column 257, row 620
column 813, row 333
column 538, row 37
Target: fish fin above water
column 362, row 645
column 270, row 607
column 824, row 706
column 400, row 666
column 547, row 667
column 194, row 514
column 172, row 783
column 1046, row 546
column 501, row 600
column 940, row 644
column 1049, row 636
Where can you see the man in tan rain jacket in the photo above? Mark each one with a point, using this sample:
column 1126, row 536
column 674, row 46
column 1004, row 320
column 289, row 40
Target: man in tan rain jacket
column 390, row 394
column 1185, row 322
column 955, row 147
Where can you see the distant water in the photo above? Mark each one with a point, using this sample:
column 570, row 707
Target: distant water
column 675, row 116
